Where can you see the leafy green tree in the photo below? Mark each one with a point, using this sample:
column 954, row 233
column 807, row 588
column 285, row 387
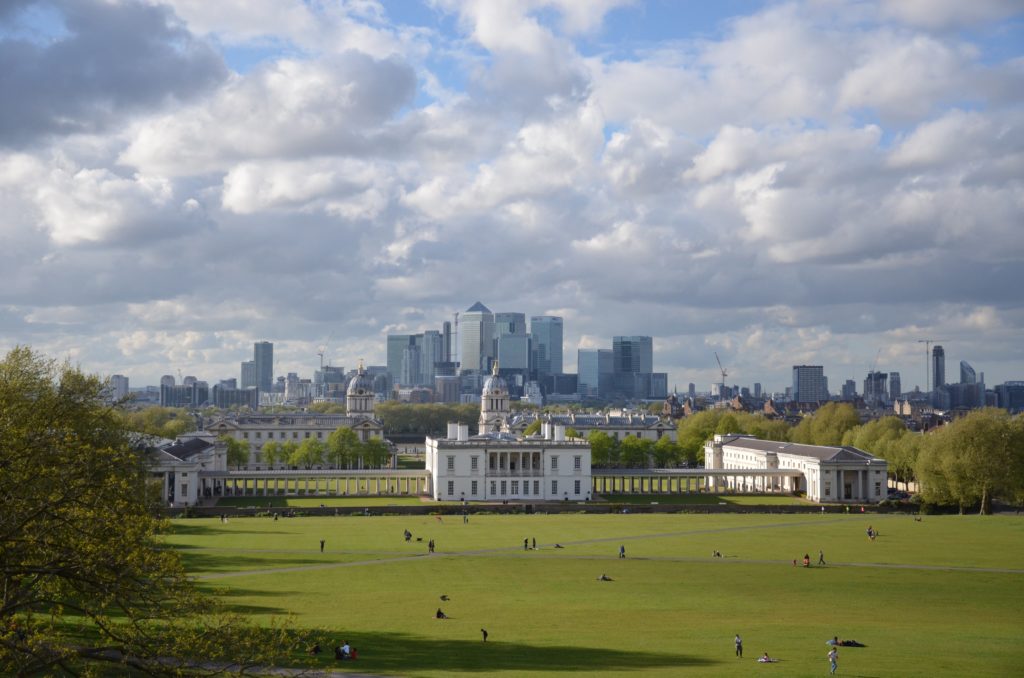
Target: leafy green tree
column 165, row 422
column 636, row 452
column 602, row 449
column 827, row 426
column 343, row 447
column 271, row 454
column 570, row 432
column 974, row 460
column 426, row 419
column 289, row 452
column 882, row 438
column 534, row 428
column 310, row 453
column 666, row 452
column 327, row 408
column 89, row 587
column 376, row 453
column 238, row 450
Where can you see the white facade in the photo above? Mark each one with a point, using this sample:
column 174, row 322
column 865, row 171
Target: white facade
column 825, row 474
column 176, row 468
column 499, row 467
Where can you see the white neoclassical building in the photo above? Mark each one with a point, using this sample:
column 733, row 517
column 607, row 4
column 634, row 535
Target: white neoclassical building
column 825, row 474
column 176, row 468
column 258, row 429
column 498, row 466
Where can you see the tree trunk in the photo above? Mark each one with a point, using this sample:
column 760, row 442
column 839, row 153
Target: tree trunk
column 986, row 503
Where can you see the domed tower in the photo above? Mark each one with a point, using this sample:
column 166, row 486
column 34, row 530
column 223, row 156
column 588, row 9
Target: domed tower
column 494, row 408
column 359, row 397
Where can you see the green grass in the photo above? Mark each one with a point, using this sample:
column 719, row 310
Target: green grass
column 701, row 498
column 928, row 598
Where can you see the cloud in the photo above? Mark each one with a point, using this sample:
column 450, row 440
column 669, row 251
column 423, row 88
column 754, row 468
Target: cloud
column 109, row 61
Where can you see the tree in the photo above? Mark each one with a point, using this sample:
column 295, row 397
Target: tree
column 270, row 453
column 86, row 581
column 289, row 450
column 666, row 452
column 533, row 428
column 827, row 426
column 974, row 460
column 238, row 450
column 602, row 449
column 636, row 452
column 571, row 433
column 309, row 454
column 376, row 453
column 327, row 408
column 343, row 447
column 882, row 438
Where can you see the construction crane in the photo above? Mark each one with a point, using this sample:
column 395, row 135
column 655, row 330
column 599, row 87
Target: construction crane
column 721, row 388
column 927, row 356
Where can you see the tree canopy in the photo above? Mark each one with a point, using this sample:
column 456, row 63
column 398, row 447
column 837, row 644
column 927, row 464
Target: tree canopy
column 426, row 419
column 85, row 580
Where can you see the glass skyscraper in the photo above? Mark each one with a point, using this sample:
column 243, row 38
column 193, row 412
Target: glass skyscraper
column 546, row 331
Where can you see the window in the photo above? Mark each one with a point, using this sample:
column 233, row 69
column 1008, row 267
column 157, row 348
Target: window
column 515, row 487
column 245, row 435
column 307, row 434
column 526, row 487
column 184, row 491
column 554, row 487
column 280, row 434
column 536, row 487
column 504, row 488
column 554, row 462
column 492, row 462
column 320, row 435
column 577, row 463
column 295, row 435
column 451, row 462
column 494, row 489
column 878, row 489
column 474, row 463
column 472, row 488
column 576, row 487
column 451, row 487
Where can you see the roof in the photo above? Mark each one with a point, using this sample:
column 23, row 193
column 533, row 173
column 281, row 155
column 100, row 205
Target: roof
column 819, row 452
column 478, row 308
column 188, row 449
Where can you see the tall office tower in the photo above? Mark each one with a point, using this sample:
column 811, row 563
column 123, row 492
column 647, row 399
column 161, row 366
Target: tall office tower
column 167, row 380
column 446, row 342
column 938, row 367
column 595, row 368
column 757, row 389
column 411, row 361
column 397, row 343
column 118, row 384
column 895, row 387
column 809, row 385
column 431, row 353
column 875, row 391
column 849, row 390
column 512, row 349
column 189, row 380
column 248, row 379
column 967, row 373
column 691, row 390
column 263, row 356
column 476, row 338
column 546, row 331
column 509, row 323
column 633, row 354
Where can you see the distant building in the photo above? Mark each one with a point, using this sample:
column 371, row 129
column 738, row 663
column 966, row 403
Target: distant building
column 967, row 373
column 825, row 474
column 757, row 390
column 875, row 390
column 248, row 374
column 167, row 380
column 938, row 367
column 595, row 369
column 194, row 395
column 226, row 398
column 1010, row 396
column 895, row 387
column 263, row 356
column 476, row 337
column 849, row 390
column 118, row 385
column 446, row 389
column 809, row 384
column 546, row 332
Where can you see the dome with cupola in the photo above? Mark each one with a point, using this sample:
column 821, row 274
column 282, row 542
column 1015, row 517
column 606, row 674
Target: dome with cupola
column 361, row 384
column 495, row 385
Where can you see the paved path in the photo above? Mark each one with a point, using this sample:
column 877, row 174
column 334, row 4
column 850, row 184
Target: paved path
column 551, row 553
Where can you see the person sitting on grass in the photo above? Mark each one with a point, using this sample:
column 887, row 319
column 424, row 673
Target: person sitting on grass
column 354, row 654
column 440, row 614
column 765, row 659
column 604, row 577
column 807, row 560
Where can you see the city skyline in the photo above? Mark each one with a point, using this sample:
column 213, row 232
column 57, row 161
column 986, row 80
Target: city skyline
column 778, row 183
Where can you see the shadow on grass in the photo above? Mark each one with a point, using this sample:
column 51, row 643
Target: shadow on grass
column 403, row 654
column 203, row 562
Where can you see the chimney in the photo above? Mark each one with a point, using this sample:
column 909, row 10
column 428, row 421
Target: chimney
column 559, row 433
column 453, row 430
column 463, row 434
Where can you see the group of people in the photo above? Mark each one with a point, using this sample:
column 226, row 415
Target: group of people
column 341, row 652
column 833, row 653
column 807, row 559
column 872, row 533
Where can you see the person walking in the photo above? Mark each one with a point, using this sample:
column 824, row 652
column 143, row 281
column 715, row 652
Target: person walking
column 739, row 646
column 484, row 632
column 534, row 544
column 322, row 542
column 526, row 544
column 833, row 659
column 821, row 557
column 622, row 551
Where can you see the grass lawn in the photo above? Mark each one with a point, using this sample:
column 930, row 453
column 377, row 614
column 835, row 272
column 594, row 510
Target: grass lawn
column 941, row 597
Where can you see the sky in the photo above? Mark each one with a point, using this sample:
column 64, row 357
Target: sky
column 782, row 183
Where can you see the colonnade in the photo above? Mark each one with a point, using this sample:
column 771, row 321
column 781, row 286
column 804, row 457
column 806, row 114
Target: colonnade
column 341, row 484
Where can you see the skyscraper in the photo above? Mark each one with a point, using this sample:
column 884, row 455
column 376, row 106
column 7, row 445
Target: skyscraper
column 757, row 389
column 396, row 345
column 938, row 367
column 809, row 385
column 118, row 387
column 446, row 342
column 546, row 332
column 248, row 379
column 263, row 356
column 431, row 353
column 633, row 354
column 967, row 373
column 895, row 387
column 595, row 368
column 476, row 337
